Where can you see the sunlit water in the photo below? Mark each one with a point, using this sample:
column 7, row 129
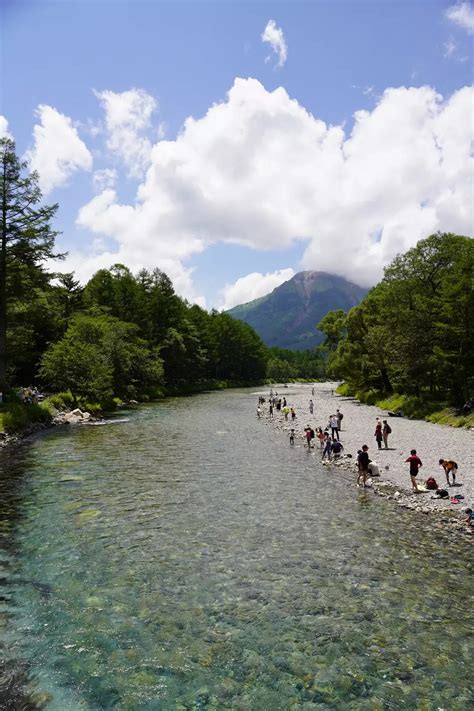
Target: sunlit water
column 189, row 558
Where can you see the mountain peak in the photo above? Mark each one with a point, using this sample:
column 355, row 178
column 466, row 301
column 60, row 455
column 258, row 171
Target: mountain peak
column 287, row 317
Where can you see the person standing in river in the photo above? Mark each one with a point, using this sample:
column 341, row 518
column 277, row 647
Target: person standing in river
column 386, row 431
column 321, row 437
column 363, row 464
column 415, row 464
column 311, row 407
column 327, row 446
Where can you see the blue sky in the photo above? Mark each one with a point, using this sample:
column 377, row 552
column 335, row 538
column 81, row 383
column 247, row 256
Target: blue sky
column 269, row 181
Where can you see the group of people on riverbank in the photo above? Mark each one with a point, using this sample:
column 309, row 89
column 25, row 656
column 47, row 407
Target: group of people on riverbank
column 332, row 448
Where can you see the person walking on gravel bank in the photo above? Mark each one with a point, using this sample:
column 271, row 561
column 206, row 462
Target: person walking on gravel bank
column 386, row 431
column 449, row 467
column 339, row 416
column 334, row 424
column 378, row 434
column 415, row 464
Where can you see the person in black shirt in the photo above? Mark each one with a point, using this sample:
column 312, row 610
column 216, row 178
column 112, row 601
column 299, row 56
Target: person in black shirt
column 363, row 464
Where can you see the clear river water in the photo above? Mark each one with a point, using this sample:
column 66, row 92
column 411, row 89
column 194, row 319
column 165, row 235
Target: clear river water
column 189, row 558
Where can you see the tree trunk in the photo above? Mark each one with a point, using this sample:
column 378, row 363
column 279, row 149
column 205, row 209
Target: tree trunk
column 387, row 385
column 3, row 287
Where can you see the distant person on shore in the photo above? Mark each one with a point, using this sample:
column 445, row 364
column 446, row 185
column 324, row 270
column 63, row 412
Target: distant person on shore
column 415, row 464
column 449, row 467
column 386, row 431
column 286, row 411
column 327, row 446
column 311, row 407
column 378, row 434
column 334, row 425
column 259, row 411
column 284, row 402
column 293, row 414
column 312, row 391
column 278, row 405
column 363, row 464
column 292, row 436
column 339, row 416
column 271, row 410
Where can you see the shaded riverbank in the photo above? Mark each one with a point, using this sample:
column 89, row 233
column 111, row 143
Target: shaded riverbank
column 431, row 441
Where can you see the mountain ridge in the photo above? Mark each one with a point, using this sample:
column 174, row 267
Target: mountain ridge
column 287, row 316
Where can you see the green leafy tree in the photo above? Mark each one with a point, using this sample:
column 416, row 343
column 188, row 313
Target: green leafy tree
column 27, row 238
column 414, row 333
column 101, row 356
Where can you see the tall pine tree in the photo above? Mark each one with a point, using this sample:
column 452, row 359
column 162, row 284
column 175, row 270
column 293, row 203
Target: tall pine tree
column 27, row 238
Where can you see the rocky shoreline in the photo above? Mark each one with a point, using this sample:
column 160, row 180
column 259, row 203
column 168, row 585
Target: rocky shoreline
column 431, row 441
column 73, row 417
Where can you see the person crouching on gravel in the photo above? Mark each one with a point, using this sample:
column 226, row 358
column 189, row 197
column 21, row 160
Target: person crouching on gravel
column 415, row 464
column 449, row 467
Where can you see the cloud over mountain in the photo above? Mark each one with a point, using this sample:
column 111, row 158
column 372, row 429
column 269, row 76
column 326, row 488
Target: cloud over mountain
column 261, row 171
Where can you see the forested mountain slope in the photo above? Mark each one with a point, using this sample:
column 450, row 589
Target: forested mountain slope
column 287, row 317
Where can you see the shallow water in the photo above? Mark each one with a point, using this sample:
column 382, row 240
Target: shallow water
column 189, row 558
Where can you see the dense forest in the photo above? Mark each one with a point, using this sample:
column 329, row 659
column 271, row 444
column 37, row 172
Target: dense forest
column 121, row 335
column 413, row 334
column 129, row 336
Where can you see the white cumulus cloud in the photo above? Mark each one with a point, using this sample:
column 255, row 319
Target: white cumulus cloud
column 127, row 119
column 260, row 171
column 276, row 39
column 4, row 133
column 104, row 178
column 252, row 286
column 462, row 14
column 58, row 152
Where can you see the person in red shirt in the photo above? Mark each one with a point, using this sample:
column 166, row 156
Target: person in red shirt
column 415, row 464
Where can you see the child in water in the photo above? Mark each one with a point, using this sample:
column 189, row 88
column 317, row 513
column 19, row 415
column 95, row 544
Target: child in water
column 469, row 520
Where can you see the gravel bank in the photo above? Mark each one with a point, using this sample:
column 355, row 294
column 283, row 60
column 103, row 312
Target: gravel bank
column 431, row 441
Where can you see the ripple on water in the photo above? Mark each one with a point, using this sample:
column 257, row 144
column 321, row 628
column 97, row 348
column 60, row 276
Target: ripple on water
column 193, row 560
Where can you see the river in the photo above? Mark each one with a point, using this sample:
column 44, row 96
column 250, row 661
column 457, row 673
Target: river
column 186, row 557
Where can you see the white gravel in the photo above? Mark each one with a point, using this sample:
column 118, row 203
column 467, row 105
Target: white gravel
column 431, row 441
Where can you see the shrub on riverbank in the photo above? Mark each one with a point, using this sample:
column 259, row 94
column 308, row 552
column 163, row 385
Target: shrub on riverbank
column 17, row 416
column 417, row 408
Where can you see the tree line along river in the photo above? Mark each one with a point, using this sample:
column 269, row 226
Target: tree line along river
column 183, row 557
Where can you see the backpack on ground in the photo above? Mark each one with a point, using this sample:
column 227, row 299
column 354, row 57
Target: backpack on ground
column 431, row 483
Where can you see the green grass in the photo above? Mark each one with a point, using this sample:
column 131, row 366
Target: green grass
column 413, row 407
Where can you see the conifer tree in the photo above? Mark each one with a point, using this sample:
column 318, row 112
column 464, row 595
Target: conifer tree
column 27, row 238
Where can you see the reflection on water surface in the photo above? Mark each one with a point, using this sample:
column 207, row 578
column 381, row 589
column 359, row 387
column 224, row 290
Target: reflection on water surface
column 190, row 559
